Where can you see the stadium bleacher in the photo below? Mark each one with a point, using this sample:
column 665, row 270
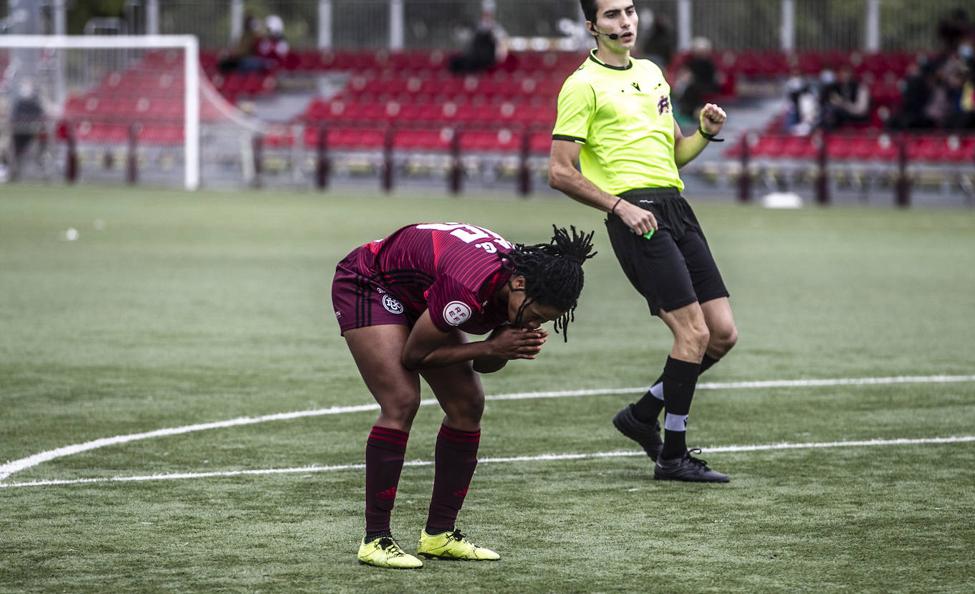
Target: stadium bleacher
column 409, row 102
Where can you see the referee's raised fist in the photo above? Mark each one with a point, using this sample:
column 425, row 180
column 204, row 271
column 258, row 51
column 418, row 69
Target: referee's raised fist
column 712, row 118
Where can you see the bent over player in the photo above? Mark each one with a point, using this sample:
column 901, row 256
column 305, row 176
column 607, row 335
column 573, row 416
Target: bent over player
column 615, row 119
column 402, row 304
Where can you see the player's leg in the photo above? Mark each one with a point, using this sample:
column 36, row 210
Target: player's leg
column 713, row 296
column 711, row 293
column 680, row 373
column 721, row 327
column 691, row 338
column 656, row 268
column 377, row 351
column 458, row 389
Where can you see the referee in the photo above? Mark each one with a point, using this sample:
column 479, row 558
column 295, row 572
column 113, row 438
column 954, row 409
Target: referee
column 616, row 121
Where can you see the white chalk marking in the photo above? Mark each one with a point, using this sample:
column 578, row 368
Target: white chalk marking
column 29, row 462
column 498, row 460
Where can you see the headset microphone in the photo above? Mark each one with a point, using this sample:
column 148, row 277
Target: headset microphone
column 612, row 36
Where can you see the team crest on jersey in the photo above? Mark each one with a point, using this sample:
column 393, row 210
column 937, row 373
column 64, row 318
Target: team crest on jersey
column 663, row 105
column 456, row 313
column 392, row 305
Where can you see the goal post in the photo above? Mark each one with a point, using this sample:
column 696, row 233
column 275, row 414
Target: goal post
column 127, row 85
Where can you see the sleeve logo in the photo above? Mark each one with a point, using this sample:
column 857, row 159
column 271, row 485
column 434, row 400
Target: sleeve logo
column 392, row 305
column 456, row 313
column 663, row 105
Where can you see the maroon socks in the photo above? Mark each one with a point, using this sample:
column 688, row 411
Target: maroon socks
column 385, row 451
column 456, row 459
column 455, row 464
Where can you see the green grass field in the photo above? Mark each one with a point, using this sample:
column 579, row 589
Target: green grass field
column 173, row 309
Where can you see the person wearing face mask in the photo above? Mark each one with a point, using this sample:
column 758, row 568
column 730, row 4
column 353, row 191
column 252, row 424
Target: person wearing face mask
column 964, row 117
column 843, row 100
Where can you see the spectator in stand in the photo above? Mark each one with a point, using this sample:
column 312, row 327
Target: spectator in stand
column 945, row 105
column 697, row 79
column 939, row 108
column 918, row 94
column 28, row 124
column 661, row 40
column 940, row 92
column 243, row 56
column 953, row 29
column 273, row 48
column 957, row 74
column 844, row 101
column 803, row 104
column 488, row 48
column 968, row 103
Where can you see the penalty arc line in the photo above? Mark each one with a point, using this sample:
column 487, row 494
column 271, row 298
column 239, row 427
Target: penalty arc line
column 6, row 470
column 498, row 460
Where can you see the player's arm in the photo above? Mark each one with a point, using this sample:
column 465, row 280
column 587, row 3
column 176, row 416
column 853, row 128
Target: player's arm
column 428, row 346
column 563, row 175
column 686, row 148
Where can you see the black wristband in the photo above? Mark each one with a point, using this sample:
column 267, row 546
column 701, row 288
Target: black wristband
column 708, row 137
column 617, row 203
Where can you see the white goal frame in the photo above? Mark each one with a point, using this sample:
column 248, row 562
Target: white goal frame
column 191, row 52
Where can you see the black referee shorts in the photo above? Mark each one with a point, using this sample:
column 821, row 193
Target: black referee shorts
column 673, row 268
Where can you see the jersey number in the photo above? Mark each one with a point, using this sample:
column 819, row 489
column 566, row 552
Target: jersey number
column 470, row 234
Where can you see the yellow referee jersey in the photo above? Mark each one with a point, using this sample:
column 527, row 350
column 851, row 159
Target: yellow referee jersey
column 623, row 118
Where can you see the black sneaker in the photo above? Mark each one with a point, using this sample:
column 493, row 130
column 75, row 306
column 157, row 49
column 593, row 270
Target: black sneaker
column 687, row 468
column 645, row 434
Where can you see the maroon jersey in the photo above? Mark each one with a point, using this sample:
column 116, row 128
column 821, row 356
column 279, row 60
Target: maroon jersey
column 450, row 269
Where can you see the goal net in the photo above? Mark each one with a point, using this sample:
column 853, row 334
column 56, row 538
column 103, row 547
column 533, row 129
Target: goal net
column 106, row 108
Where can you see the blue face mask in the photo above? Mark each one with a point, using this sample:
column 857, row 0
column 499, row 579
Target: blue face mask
column 965, row 51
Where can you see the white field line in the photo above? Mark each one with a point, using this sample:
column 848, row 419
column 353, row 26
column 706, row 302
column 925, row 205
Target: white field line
column 15, row 466
column 500, row 460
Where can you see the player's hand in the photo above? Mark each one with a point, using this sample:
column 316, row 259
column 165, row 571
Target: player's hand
column 712, row 118
column 639, row 220
column 509, row 342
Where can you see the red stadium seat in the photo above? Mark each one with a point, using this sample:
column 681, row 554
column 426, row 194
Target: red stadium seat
column 357, row 138
column 503, row 140
column 541, row 142
column 427, row 139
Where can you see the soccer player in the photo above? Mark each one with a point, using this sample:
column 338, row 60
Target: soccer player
column 615, row 118
column 402, row 304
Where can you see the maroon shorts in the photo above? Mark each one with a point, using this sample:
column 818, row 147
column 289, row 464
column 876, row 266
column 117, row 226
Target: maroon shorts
column 359, row 302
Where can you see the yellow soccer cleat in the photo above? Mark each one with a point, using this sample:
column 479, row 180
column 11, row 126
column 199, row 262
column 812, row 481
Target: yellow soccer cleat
column 453, row 545
column 384, row 552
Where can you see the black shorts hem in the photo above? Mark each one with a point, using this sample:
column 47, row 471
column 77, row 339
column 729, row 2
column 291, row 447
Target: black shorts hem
column 713, row 297
column 656, row 309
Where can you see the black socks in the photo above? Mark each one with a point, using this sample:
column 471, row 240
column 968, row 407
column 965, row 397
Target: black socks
column 679, row 381
column 647, row 409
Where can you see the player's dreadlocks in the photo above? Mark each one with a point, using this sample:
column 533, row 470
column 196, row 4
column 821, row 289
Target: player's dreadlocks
column 553, row 272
